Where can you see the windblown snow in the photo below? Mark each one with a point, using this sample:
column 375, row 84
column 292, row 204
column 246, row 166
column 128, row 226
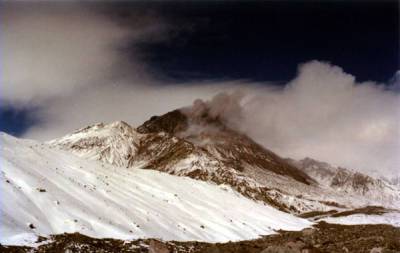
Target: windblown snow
column 46, row 190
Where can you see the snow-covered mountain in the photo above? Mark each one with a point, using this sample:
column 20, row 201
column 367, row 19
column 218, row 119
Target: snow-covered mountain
column 200, row 146
column 218, row 154
column 46, row 191
column 115, row 143
column 348, row 182
column 184, row 175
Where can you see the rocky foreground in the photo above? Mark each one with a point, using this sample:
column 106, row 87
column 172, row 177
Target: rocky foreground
column 323, row 237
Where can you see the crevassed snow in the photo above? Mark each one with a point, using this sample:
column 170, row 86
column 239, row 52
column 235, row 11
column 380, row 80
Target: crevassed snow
column 58, row 192
column 392, row 218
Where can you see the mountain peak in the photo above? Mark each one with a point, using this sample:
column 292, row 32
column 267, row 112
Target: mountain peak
column 115, row 143
column 120, row 124
column 206, row 115
column 170, row 122
column 204, row 130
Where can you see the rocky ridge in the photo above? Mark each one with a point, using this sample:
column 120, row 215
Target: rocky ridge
column 348, row 181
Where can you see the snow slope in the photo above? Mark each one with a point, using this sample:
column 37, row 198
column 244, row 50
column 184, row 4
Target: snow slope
column 45, row 190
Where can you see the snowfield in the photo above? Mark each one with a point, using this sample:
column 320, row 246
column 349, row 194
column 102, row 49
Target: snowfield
column 45, row 191
column 392, row 218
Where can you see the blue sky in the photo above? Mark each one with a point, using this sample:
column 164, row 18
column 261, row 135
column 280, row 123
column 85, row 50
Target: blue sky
column 266, row 41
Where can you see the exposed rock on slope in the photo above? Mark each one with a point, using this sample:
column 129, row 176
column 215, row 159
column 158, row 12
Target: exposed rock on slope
column 201, row 148
column 196, row 143
column 323, row 237
column 171, row 122
column 233, row 149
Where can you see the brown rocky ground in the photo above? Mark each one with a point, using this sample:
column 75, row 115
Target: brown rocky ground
column 323, row 237
column 369, row 210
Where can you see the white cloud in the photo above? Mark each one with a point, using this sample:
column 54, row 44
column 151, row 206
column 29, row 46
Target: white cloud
column 53, row 50
column 131, row 103
column 65, row 61
column 323, row 113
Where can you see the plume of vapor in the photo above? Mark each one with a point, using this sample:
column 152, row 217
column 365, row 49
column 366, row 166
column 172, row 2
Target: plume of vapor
column 323, row 113
column 223, row 106
column 69, row 63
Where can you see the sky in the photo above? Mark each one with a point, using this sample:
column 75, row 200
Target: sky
column 311, row 78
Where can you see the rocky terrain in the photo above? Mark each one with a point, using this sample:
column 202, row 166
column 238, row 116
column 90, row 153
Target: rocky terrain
column 323, row 237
